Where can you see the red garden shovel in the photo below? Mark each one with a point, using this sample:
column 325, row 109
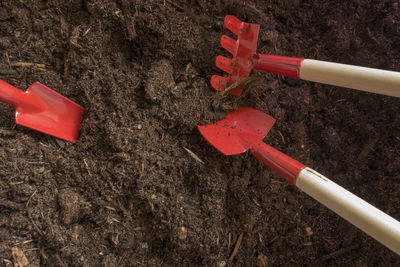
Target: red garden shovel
column 44, row 110
column 245, row 59
column 245, row 129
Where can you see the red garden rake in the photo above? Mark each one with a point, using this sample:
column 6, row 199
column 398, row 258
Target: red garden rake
column 245, row 59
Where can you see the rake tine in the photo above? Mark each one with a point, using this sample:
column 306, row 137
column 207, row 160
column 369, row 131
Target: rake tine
column 233, row 24
column 224, row 64
column 219, row 83
column 229, row 44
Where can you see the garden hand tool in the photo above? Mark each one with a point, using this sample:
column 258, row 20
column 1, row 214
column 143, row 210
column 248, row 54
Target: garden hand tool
column 246, row 59
column 44, row 110
column 245, row 129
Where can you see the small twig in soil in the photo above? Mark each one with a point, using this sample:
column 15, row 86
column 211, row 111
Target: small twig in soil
column 283, row 139
column 175, row 5
column 66, row 69
column 256, row 202
column 7, row 261
column 59, row 261
column 75, row 43
column 30, row 217
column 216, row 171
column 110, row 208
column 8, row 59
column 23, row 242
column 339, row 252
column 5, row 191
column 29, row 64
column 87, row 168
column 87, row 31
column 11, row 205
column 372, row 36
column 129, row 21
column 237, row 246
column 73, row 39
column 367, row 149
column 5, row 132
column 16, row 183
column 202, row 5
column 194, row 155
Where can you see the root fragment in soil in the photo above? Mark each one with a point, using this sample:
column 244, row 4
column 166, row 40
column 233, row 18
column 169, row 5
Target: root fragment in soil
column 30, row 217
column 248, row 84
column 237, row 246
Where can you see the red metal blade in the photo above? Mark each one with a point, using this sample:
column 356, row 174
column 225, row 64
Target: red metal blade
column 239, row 131
column 47, row 111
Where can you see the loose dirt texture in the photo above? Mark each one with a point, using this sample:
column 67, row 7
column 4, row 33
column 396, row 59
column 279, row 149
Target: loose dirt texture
column 129, row 194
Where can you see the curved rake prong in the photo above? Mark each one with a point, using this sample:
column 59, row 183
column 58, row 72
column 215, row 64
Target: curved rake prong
column 229, row 44
column 219, row 83
column 224, row 64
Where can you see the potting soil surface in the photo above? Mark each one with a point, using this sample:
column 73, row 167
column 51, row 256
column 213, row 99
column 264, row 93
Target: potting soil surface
column 129, row 192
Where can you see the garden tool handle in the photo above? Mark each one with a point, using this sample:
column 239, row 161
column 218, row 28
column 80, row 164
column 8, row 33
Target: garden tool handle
column 363, row 215
column 11, row 95
column 355, row 77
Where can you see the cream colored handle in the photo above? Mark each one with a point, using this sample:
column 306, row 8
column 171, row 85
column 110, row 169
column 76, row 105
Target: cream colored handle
column 360, row 78
column 366, row 217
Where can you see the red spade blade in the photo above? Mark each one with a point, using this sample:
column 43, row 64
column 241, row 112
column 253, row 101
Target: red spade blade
column 42, row 109
column 239, row 131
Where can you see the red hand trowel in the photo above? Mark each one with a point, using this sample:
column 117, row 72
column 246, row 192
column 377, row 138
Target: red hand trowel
column 245, row 129
column 44, row 110
column 245, row 59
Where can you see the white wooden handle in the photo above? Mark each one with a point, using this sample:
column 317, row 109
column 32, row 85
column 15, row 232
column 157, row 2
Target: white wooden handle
column 366, row 217
column 361, row 78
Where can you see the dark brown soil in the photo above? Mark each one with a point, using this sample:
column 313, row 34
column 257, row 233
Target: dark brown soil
column 129, row 194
